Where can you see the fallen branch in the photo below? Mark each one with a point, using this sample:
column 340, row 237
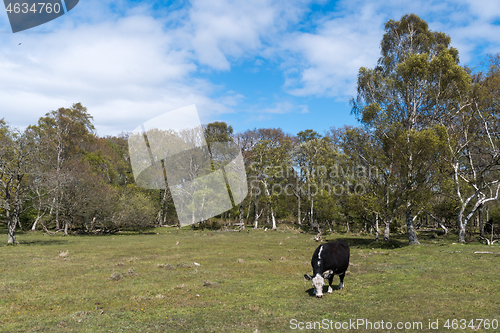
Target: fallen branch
column 438, row 222
column 488, row 241
column 485, row 252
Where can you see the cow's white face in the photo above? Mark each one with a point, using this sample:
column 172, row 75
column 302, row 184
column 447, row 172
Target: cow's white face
column 318, row 283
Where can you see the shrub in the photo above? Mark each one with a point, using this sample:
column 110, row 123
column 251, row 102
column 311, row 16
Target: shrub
column 134, row 211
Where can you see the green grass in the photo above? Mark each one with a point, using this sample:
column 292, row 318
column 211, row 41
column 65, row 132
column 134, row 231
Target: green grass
column 40, row 291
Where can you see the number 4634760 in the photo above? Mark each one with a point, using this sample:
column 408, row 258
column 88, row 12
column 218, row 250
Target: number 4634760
column 35, row 8
column 472, row 324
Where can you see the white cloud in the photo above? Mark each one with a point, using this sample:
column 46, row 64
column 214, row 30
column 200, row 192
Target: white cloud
column 328, row 59
column 231, row 99
column 484, row 10
column 128, row 63
column 325, row 62
column 284, row 107
column 224, row 30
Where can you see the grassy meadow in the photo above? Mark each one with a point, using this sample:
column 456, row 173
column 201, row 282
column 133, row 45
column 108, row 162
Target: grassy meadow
column 249, row 281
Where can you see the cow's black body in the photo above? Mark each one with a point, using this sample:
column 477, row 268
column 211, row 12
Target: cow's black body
column 333, row 256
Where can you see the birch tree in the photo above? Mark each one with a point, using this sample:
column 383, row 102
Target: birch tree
column 265, row 152
column 18, row 152
column 64, row 131
column 314, row 158
column 413, row 86
column 474, row 146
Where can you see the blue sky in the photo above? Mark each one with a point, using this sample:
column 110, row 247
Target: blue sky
column 261, row 63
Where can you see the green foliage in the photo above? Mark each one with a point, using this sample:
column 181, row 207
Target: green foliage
column 18, row 160
column 307, row 135
column 495, row 216
column 370, row 112
column 215, row 225
column 218, row 132
column 134, row 210
column 66, row 130
column 406, row 103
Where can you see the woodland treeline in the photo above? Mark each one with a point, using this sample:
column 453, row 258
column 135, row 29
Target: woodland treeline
column 426, row 153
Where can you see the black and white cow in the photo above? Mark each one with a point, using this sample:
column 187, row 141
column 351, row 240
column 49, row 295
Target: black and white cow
column 329, row 259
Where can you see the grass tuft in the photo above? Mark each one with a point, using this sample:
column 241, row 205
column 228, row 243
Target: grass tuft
column 207, row 283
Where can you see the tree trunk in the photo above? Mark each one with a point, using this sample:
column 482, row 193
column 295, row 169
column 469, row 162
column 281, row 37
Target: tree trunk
column 313, row 223
column 329, row 226
column 11, row 227
column 256, row 216
column 481, row 222
column 52, row 207
column 273, row 218
column 92, row 224
column 12, row 232
column 57, row 211
column 33, row 227
column 13, row 220
column 387, row 230
column 162, row 214
column 39, row 213
column 461, row 235
column 461, row 226
column 441, row 224
column 410, row 230
column 60, row 149
column 242, row 224
column 298, row 210
column 376, row 227
column 248, row 211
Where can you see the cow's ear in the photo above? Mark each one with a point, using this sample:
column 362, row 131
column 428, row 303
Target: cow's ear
column 307, row 277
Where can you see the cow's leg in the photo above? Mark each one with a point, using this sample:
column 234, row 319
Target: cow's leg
column 330, row 281
column 341, row 276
